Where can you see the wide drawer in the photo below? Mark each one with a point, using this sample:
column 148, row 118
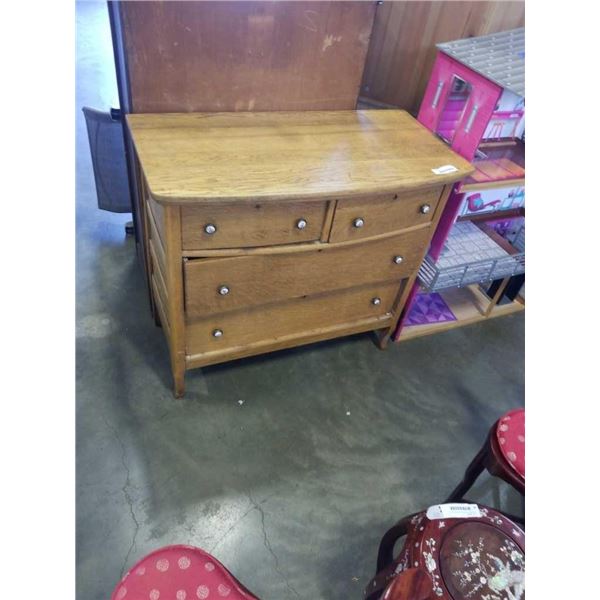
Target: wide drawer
column 367, row 217
column 251, row 224
column 222, row 284
column 298, row 317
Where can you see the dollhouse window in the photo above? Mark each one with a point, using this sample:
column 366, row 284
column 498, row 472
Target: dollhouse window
column 454, row 108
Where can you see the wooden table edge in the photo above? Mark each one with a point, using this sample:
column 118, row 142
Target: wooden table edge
column 169, row 200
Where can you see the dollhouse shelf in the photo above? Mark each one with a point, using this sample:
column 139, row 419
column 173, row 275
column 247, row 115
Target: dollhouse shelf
column 501, row 165
column 469, row 305
column 499, row 57
column 519, row 241
column 472, row 254
column 496, row 215
column 475, row 102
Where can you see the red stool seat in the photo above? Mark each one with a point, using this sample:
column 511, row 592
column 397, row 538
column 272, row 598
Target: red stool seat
column 502, row 454
column 510, row 433
column 180, row 573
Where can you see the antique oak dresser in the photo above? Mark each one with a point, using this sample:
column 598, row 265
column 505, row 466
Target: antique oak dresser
column 270, row 230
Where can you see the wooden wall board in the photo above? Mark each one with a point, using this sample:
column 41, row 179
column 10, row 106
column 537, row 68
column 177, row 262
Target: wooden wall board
column 245, row 56
column 402, row 48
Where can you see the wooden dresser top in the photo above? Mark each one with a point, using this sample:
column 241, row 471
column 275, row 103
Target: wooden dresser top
column 209, row 157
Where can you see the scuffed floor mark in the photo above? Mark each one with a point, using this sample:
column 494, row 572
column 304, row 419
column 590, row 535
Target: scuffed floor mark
column 95, row 326
column 267, row 543
column 239, row 520
column 211, row 551
column 126, row 494
column 329, row 40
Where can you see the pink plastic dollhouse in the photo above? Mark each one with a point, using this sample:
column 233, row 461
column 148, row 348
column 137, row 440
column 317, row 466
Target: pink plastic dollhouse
column 475, row 267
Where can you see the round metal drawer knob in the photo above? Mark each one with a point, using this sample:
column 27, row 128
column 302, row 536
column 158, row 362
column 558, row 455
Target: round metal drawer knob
column 358, row 222
column 210, row 228
column 376, row 301
column 398, row 259
column 217, row 333
column 301, row 223
column 223, row 290
column 425, row 208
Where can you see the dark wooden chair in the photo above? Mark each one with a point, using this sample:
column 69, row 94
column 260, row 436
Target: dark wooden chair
column 476, row 558
column 502, row 454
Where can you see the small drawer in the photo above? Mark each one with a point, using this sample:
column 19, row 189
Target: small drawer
column 214, row 285
column 292, row 318
column 251, row 224
column 367, row 217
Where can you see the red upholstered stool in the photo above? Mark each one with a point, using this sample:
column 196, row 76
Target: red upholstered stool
column 479, row 557
column 502, row 454
column 180, row 573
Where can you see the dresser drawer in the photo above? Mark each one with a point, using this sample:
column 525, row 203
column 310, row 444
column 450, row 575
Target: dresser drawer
column 298, row 317
column 367, row 217
column 222, row 284
column 251, row 224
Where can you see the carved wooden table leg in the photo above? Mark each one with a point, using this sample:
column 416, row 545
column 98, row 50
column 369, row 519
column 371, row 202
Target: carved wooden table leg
column 502, row 454
column 474, row 470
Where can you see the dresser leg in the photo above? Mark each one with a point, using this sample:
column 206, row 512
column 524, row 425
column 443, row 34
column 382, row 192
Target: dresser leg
column 178, row 382
column 382, row 337
column 179, row 386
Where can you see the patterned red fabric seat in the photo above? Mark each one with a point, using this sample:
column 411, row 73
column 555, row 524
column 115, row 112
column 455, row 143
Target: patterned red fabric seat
column 510, row 433
column 180, row 573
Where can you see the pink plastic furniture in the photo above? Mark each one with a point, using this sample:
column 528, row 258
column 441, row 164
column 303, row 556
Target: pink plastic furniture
column 470, row 124
column 180, row 573
column 464, row 129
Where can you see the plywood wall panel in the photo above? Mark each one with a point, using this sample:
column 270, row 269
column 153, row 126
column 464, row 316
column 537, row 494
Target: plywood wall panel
column 240, row 56
column 403, row 42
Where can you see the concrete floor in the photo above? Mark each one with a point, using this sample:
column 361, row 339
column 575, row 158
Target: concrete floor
column 286, row 488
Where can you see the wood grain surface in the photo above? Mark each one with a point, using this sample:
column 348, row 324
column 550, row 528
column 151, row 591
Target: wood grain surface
column 251, row 224
column 211, row 357
column 267, row 278
column 245, row 56
column 293, row 317
column 208, row 157
column 402, row 48
column 382, row 214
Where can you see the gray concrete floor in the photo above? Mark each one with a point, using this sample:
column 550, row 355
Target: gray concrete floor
column 287, row 489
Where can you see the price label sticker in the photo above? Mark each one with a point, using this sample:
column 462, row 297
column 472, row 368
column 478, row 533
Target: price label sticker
column 456, row 510
column 444, row 170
